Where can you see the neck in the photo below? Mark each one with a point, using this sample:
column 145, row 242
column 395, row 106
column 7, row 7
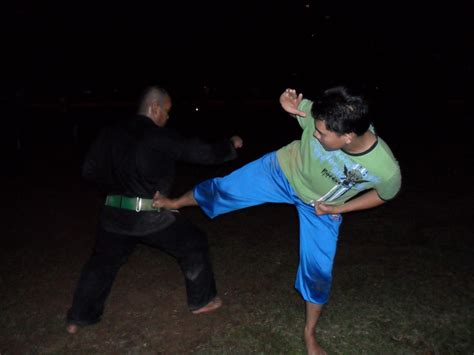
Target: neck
column 361, row 143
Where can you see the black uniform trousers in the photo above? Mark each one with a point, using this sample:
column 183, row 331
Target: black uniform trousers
column 183, row 240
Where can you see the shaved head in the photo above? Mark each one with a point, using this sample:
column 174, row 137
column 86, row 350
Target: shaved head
column 149, row 96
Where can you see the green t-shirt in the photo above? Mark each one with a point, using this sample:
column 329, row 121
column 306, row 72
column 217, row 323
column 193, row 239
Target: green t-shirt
column 335, row 176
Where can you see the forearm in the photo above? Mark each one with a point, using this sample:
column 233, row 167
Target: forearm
column 368, row 200
column 198, row 152
column 184, row 200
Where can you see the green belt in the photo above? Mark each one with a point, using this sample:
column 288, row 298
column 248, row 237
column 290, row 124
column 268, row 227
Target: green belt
column 130, row 203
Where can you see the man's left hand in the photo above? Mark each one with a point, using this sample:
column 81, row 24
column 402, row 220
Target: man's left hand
column 322, row 208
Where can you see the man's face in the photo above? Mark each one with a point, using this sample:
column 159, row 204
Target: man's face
column 161, row 113
column 329, row 140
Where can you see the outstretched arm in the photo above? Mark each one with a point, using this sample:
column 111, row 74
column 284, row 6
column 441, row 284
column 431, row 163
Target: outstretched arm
column 187, row 199
column 290, row 101
column 184, row 200
column 368, row 200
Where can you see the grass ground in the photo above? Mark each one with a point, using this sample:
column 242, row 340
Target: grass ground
column 403, row 277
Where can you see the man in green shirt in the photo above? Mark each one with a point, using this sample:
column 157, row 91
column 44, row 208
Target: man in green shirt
column 339, row 165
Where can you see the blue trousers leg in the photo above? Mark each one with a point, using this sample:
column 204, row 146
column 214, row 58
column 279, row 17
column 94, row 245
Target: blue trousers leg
column 258, row 182
column 263, row 181
column 318, row 241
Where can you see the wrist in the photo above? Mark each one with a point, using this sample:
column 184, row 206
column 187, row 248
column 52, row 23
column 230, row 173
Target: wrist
column 175, row 204
column 340, row 209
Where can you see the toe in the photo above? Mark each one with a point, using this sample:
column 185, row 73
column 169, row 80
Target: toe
column 71, row 328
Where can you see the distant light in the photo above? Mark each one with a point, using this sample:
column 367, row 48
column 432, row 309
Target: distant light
column 196, row 109
column 307, row 6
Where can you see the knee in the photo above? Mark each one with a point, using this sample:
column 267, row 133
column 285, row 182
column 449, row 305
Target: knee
column 107, row 260
column 197, row 241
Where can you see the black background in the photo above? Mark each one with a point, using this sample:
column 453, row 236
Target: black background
column 414, row 62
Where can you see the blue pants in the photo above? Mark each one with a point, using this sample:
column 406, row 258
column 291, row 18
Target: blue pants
column 263, row 181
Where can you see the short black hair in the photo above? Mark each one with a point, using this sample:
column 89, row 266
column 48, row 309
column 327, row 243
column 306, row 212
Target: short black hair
column 342, row 111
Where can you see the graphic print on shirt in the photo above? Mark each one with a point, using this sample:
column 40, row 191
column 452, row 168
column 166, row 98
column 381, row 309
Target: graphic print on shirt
column 350, row 179
column 343, row 171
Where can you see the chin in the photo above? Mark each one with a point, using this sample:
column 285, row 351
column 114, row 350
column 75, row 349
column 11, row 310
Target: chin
column 328, row 149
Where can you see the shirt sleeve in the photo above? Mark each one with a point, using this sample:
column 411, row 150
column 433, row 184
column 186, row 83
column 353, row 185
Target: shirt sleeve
column 194, row 150
column 204, row 153
column 305, row 106
column 389, row 188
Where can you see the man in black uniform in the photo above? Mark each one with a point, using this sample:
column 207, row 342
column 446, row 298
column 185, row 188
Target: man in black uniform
column 132, row 160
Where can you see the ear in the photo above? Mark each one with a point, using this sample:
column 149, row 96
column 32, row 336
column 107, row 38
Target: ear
column 349, row 137
column 151, row 106
column 154, row 107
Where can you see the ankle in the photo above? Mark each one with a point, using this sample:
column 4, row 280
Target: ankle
column 308, row 330
column 174, row 204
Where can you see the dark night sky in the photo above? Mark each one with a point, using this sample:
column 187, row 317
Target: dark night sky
column 414, row 60
column 242, row 43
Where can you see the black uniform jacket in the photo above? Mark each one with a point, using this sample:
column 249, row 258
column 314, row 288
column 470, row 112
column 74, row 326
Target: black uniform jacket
column 136, row 158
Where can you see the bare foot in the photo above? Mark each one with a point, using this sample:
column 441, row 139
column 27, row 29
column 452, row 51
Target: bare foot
column 211, row 306
column 312, row 346
column 71, row 328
